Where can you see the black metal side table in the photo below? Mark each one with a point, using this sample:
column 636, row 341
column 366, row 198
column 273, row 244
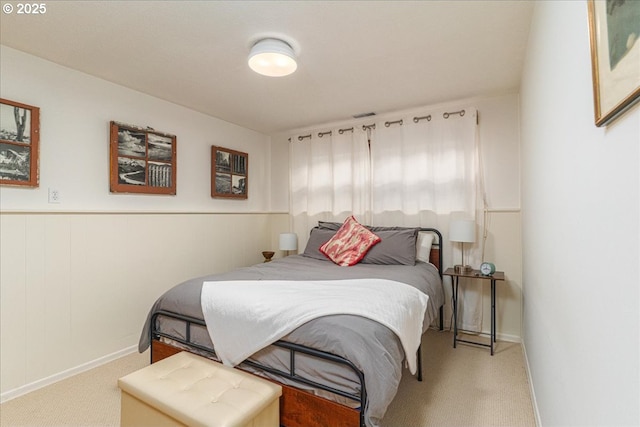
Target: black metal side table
column 474, row 274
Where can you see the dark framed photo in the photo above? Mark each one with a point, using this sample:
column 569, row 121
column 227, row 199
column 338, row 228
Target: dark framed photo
column 615, row 54
column 19, row 143
column 142, row 160
column 229, row 173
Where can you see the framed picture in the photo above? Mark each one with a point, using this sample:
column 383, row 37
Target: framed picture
column 142, row 160
column 229, row 173
column 614, row 28
column 19, row 143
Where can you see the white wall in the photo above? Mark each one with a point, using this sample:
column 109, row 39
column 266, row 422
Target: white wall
column 500, row 147
column 580, row 215
column 77, row 278
column 75, row 111
column 75, row 288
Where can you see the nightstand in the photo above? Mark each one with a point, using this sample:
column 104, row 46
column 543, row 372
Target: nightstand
column 474, row 274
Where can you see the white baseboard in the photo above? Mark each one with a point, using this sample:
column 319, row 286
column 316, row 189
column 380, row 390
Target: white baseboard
column 536, row 412
column 20, row 391
column 499, row 336
column 507, row 337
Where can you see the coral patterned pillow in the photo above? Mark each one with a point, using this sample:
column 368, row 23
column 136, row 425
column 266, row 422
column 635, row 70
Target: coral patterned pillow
column 350, row 244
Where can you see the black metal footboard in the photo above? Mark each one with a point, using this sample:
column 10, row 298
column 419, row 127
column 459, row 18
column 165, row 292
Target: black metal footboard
column 293, row 349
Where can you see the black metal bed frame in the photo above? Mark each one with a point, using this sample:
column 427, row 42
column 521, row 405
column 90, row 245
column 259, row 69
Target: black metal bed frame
column 293, row 348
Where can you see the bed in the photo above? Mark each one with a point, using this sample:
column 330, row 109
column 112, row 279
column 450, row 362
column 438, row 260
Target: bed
column 336, row 370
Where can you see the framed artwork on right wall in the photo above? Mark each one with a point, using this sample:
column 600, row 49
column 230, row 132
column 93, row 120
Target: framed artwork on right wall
column 614, row 29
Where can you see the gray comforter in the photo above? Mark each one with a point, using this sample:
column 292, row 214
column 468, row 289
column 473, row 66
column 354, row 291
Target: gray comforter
column 370, row 346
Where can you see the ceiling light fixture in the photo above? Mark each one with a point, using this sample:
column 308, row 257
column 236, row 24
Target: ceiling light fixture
column 273, row 58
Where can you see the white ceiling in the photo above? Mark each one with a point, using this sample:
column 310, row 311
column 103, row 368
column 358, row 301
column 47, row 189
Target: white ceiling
column 354, row 56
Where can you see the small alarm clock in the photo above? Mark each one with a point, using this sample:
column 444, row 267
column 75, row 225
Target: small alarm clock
column 487, row 268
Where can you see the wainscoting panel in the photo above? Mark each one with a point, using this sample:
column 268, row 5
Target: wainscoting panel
column 76, row 287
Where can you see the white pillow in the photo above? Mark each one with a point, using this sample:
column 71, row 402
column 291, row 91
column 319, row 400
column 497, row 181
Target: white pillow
column 423, row 246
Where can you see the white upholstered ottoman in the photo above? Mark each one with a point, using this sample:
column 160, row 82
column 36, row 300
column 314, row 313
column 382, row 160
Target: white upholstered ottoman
column 186, row 389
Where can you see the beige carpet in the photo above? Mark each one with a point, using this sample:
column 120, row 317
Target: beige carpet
column 461, row 387
column 465, row 386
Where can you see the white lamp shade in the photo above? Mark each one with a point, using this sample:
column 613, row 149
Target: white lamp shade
column 288, row 241
column 462, row 230
column 273, row 58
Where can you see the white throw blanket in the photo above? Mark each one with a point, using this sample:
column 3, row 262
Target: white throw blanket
column 245, row 316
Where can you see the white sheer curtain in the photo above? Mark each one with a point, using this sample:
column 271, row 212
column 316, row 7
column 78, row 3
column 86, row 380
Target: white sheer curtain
column 425, row 174
column 415, row 174
column 330, row 179
column 425, row 168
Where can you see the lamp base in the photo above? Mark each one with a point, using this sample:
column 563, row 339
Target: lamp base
column 462, row 269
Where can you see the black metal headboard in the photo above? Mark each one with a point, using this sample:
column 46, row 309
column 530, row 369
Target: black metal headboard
column 436, row 246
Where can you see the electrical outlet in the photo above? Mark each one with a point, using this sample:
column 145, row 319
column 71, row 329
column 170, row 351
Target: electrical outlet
column 54, row 195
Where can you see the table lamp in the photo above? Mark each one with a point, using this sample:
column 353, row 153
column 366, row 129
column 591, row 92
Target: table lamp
column 288, row 242
column 463, row 231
